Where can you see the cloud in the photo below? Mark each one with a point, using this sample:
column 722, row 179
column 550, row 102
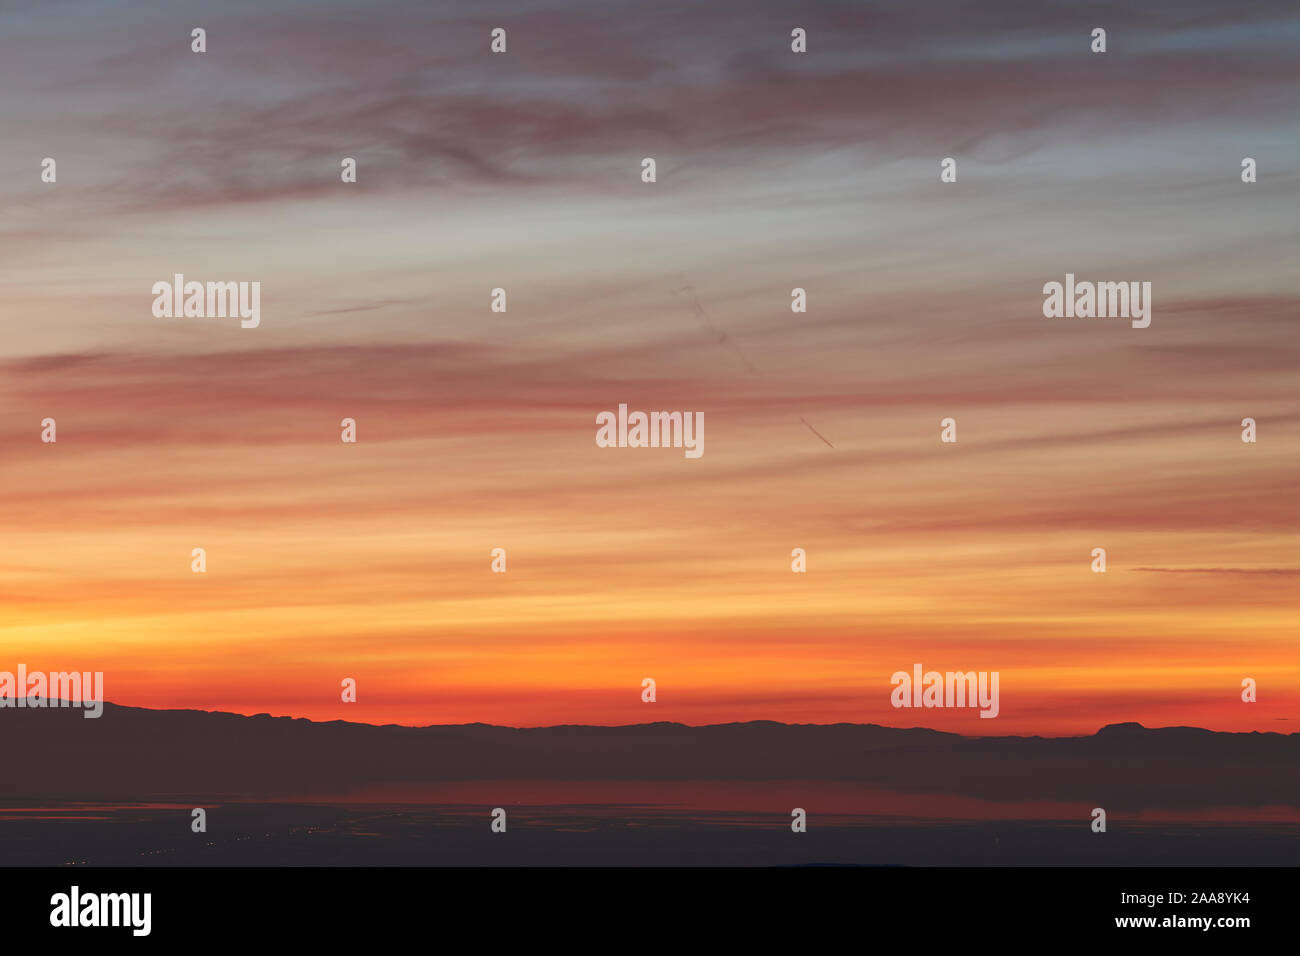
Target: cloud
column 1282, row 571
column 586, row 89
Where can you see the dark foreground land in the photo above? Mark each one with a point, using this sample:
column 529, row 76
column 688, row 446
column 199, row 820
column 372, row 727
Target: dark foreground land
column 395, row 835
column 120, row 790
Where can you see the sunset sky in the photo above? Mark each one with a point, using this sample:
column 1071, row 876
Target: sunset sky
column 476, row 429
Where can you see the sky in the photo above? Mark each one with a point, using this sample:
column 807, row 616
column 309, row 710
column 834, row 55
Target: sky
column 476, row 429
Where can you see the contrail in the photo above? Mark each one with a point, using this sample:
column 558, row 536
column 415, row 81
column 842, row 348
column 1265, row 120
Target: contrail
column 724, row 339
column 815, row 431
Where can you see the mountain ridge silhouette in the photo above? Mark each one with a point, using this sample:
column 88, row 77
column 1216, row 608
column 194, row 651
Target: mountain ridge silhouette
column 140, row 753
column 1112, row 728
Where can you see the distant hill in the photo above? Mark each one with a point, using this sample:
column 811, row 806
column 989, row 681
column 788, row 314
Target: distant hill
column 135, row 753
